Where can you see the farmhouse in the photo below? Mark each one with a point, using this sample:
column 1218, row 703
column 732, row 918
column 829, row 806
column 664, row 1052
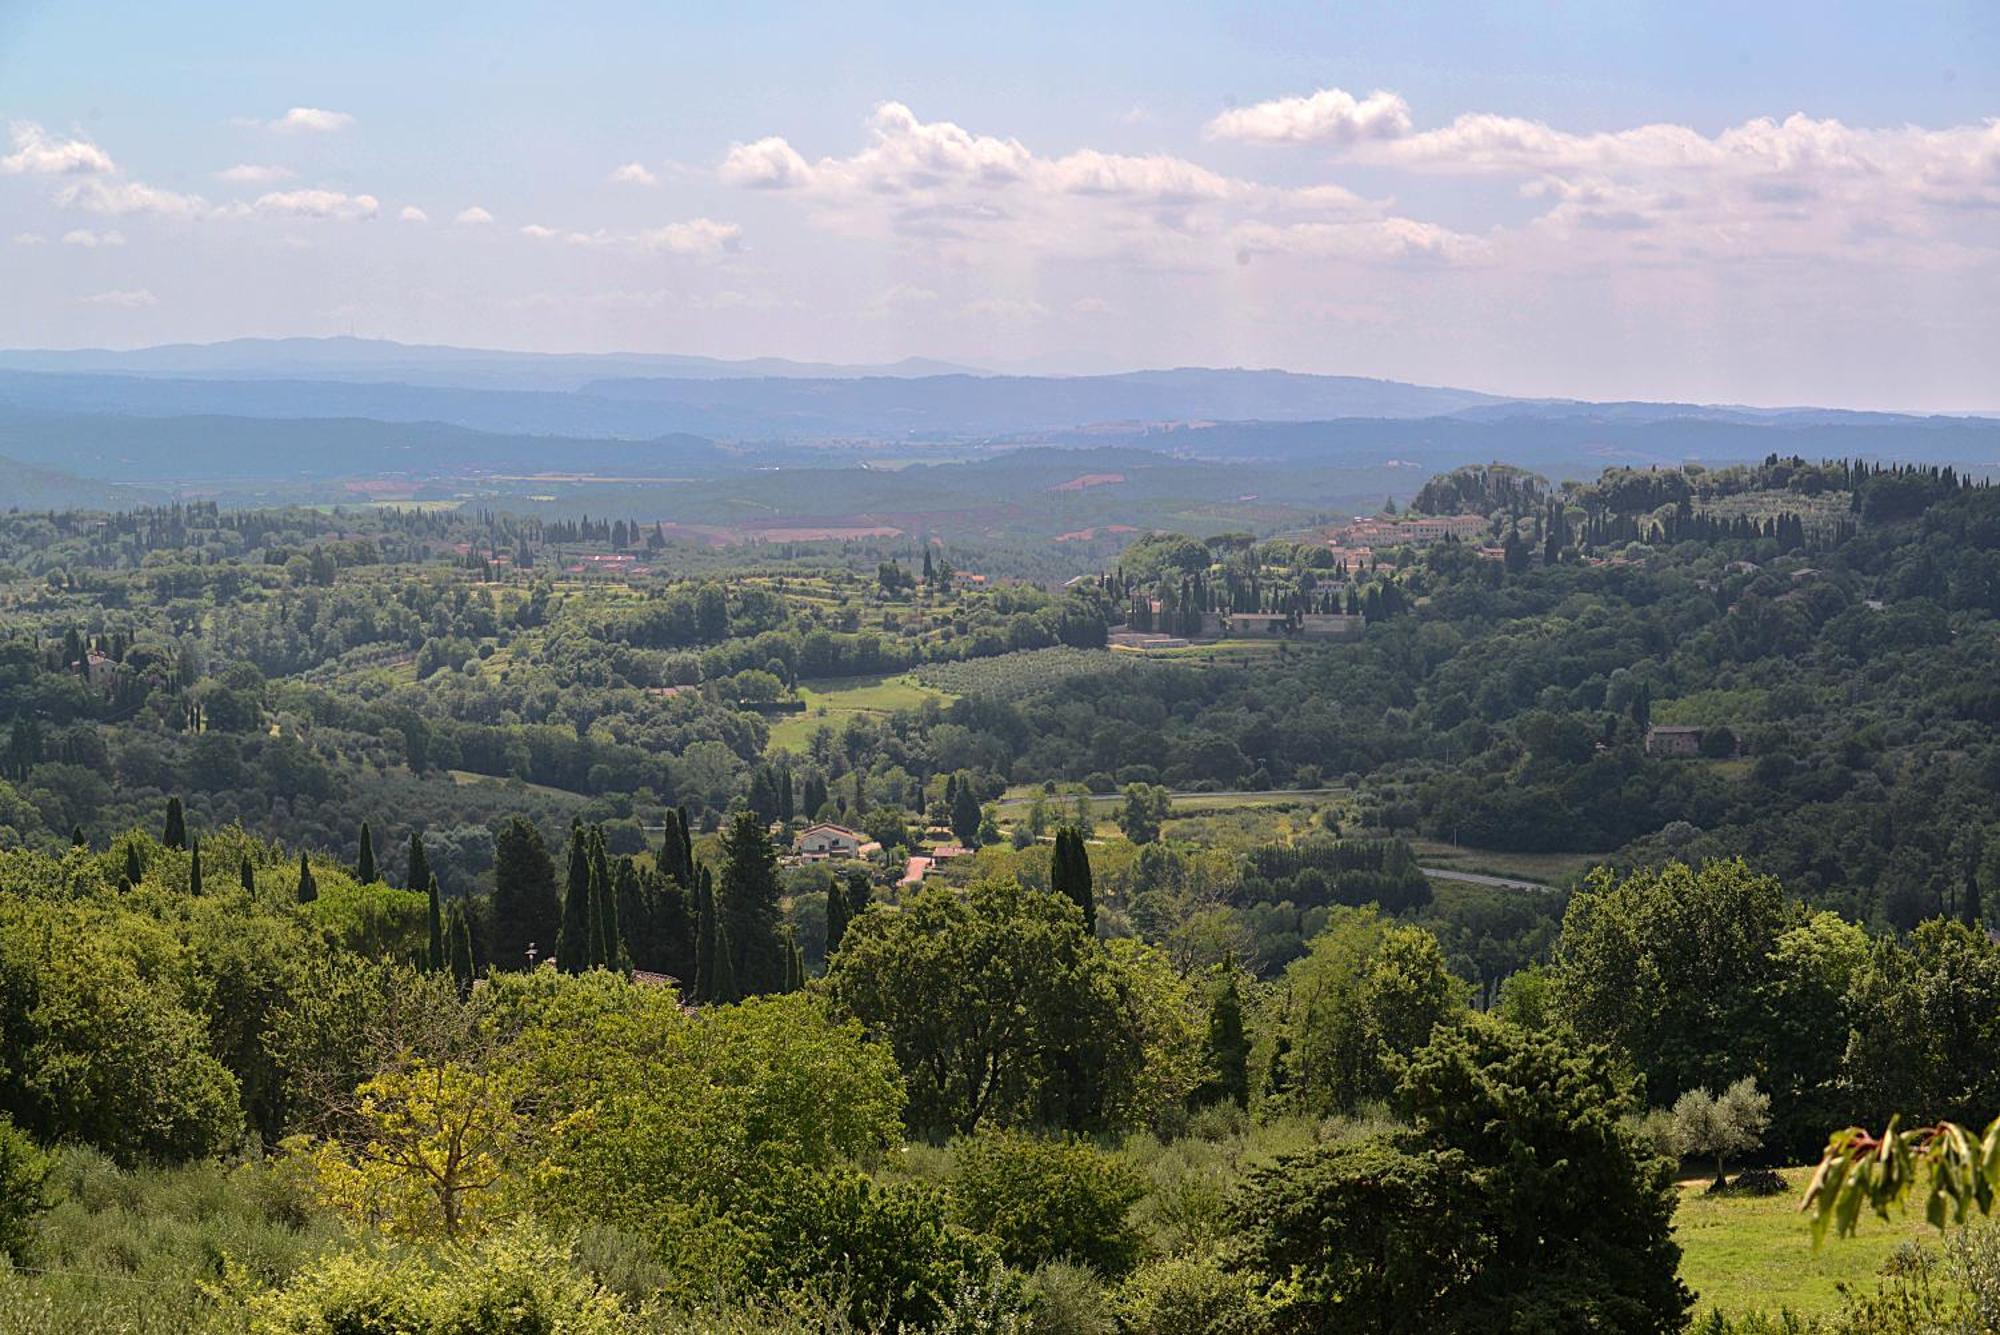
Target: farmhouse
column 827, row 840
column 1669, row 740
column 1259, row 625
column 1330, row 625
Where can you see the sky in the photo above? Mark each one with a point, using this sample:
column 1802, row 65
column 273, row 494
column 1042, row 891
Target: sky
column 1773, row 203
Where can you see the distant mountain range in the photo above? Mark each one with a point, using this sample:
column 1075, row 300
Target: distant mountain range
column 294, row 411
column 365, row 359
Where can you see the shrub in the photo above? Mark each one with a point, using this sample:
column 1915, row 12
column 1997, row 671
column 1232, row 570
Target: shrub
column 24, row 1171
column 1187, row 1296
column 1066, row 1299
column 1048, row 1199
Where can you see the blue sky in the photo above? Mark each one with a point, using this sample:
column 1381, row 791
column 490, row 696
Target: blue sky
column 1759, row 203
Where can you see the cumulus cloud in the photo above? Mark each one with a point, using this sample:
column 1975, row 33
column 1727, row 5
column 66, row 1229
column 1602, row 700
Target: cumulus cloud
column 123, row 298
column 633, row 173
column 311, row 120
column 539, row 232
column 39, row 153
column 940, row 184
column 1384, row 240
column 30, row 239
column 412, row 214
column 768, row 164
column 1331, row 115
column 332, row 204
column 473, row 216
column 246, row 173
column 89, row 240
column 118, row 198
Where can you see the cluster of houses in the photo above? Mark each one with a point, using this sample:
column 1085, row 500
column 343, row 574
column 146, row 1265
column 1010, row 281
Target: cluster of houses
column 1364, row 536
column 830, row 842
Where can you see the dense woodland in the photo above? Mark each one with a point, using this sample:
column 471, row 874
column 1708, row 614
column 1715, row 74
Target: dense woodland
column 397, row 932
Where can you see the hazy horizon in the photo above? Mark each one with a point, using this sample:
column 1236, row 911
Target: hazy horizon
column 1775, row 207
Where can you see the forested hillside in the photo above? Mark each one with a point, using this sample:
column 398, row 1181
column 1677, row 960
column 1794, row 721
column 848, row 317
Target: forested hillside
column 412, row 915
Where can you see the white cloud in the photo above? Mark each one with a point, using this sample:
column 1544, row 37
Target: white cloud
column 245, row 173
column 1330, row 115
column 941, row 185
column 1090, row 306
column 633, row 173
column 768, row 164
column 126, row 299
column 332, row 204
column 696, row 236
column 412, row 214
column 473, row 217
column 1004, row 310
column 89, row 240
column 1382, row 240
column 38, row 153
column 30, row 239
column 311, row 120
column 118, row 198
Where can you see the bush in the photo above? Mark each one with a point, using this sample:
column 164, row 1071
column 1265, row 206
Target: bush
column 1758, row 1182
column 1183, row 1296
column 514, row 1284
column 24, row 1171
column 1066, row 1299
column 1044, row 1200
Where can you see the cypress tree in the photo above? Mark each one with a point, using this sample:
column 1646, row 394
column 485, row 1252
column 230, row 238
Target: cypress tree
column 460, row 933
column 420, row 866
column 434, row 956
column 792, row 981
column 609, row 943
column 247, row 874
column 747, row 903
column 1069, row 874
column 836, row 916
column 705, row 939
column 527, row 908
column 176, row 831
column 965, row 815
column 687, row 850
column 135, row 869
column 364, row 866
column 308, row 888
column 76, row 839
column 573, row 937
column 724, row 991
column 194, row 866
column 670, row 847
column 860, row 893
column 1228, row 1049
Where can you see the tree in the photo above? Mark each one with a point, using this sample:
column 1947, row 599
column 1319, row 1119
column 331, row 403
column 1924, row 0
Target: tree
column 527, row 909
column 1147, row 806
column 308, row 888
column 420, row 865
column 1069, row 873
column 747, row 906
column 1000, row 1009
column 1721, row 1125
column 135, row 867
column 247, row 875
column 1516, row 1200
column 434, row 951
column 429, row 1141
column 707, row 928
column 1671, row 966
column 364, row 865
column 1228, row 1047
column 459, row 933
column 175, row 835
column 1368, row 993
column 607, row 942
column 194, row 866
column 965, row 814
column 574, row 938
column 836, row 916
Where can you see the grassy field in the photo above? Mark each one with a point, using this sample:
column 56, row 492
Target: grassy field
column 832, row 702
column 1755, row 1253
column 1547, row 868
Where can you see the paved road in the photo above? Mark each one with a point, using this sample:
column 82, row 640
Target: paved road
column 1481, row 878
